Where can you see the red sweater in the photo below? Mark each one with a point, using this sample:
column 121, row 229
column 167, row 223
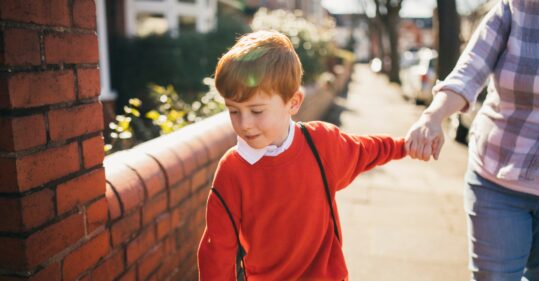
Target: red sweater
column 280, row 206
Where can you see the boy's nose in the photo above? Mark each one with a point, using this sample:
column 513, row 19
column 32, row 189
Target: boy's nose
column 246, row 122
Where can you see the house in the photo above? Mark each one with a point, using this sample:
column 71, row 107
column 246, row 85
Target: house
column 415, row 33
column 312, row 9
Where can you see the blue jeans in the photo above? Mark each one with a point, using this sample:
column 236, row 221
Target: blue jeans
column 503, row 231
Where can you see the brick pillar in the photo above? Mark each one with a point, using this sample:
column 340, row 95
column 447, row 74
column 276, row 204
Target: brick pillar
column 53, row 209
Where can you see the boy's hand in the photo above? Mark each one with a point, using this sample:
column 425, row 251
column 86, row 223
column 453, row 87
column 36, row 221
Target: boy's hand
column 425, row 138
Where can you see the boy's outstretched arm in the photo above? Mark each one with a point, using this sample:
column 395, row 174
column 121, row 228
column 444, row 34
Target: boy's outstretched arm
column 218, row 246
column 353, row 154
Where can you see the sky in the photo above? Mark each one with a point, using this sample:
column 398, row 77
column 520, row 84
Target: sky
column 410, row 8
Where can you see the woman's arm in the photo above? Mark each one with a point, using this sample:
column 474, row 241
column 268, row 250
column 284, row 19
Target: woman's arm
column 460, row 89
column 426, row 136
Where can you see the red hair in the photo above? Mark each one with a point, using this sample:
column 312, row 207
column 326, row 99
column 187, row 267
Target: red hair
column 262, row 61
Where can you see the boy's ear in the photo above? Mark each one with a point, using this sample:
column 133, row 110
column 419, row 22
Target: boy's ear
column 296, row 101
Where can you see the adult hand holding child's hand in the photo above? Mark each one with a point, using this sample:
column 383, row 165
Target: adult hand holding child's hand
column 425, row 138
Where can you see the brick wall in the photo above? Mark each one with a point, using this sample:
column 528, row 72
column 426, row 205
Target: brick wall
column 156, row 194
column 52, row 182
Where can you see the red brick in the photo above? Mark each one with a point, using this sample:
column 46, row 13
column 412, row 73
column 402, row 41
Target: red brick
column 150, row 262
column 148, row 170
column 49, row 12
column 22, row 214
column 36, row 89
column 140, row 245
column 131, row 275
column 200, row 178
column 126, row 184
column 22, row 132
column 13, row 253
column 49, row 241
column 167, row 268
column 159, row 149
column 154, row 207
column 21, row 47
column 86, row 256
column 10, row 211
column 180, row 192
column 113, row 203
column 93, row 151
column 199, row 151
column 75, row 121
column 163, row 226
column 212, row 168
column 186, row 156
column 36, row 169
column 52, row 272
column 110, row 268
column 8, row 177
column 97, row 215
column 123, row 229
column 84, row 14
column 216, row 142
column 80, row 190
column 177, row 218
column 71, row 48
column 89, row 85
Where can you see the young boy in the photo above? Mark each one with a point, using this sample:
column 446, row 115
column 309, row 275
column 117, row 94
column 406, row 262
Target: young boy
column 269, row 193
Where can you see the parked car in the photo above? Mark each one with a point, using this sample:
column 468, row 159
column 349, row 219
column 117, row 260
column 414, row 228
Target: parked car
column 460, row 123
column 418, row 75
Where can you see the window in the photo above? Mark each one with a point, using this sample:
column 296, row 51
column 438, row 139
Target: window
column 187, row 24
column 151, row 24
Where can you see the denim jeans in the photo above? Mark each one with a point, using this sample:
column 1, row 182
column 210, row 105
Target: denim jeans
column 503, row 231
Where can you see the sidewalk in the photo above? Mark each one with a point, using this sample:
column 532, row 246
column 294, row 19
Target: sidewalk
column 402, row 221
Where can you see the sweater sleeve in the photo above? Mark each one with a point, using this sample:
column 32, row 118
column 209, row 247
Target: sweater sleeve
column 348, row 155
column 218, row 246
column 480, row 56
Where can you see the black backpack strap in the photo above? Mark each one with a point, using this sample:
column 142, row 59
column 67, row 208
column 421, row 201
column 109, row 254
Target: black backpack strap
column 240, row 263
column 324, row 179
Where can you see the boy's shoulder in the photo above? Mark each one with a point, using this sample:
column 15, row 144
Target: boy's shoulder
column 321, row 129
column 230, row 157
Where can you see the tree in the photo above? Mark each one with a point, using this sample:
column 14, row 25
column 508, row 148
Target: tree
column 387, row 11
column 448, row 23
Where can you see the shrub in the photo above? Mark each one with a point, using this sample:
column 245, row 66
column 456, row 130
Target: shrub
column 170, row 114
column 311, row 41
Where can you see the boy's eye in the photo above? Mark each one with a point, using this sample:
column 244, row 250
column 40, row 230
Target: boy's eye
column 256, row 111
column 232, row 111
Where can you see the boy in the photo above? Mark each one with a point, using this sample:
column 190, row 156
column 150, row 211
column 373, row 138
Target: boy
column 269, row 193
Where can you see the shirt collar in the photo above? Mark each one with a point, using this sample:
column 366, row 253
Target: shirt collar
column 253, row 155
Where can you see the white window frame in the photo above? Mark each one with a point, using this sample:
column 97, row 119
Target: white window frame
column 205, row 12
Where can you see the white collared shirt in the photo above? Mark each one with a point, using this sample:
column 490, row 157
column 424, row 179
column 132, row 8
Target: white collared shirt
column 253, row 155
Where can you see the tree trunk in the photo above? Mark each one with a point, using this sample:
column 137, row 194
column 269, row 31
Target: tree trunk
column 392, row 28
column 448, row 37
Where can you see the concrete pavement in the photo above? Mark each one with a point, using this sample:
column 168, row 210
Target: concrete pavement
column 402, row 221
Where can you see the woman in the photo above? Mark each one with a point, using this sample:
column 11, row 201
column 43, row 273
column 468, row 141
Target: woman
column 502, row 181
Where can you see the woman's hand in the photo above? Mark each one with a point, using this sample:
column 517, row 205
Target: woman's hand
column 425, row 138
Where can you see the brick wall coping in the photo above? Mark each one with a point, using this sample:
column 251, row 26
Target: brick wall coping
column 136, row 175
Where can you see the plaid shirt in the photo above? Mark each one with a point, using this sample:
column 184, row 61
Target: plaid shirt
column 505, row 132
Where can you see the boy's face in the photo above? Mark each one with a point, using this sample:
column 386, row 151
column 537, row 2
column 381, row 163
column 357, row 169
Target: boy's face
column 263, row 119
